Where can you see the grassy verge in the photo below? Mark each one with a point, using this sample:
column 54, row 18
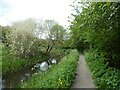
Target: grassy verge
column 104, row 76
column 59, row 76
column 12, row 64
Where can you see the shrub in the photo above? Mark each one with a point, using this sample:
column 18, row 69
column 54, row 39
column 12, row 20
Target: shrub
column 12, row 64
column 104, row 76
column 59, row 76
column 22, row 39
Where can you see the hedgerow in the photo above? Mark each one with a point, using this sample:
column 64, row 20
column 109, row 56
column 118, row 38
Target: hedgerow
column 104, row 76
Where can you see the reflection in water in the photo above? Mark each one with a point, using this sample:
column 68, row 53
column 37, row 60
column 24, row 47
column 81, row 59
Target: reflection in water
column 15, row 78
column 53, row 61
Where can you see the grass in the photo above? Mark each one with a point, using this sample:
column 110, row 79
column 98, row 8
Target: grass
column 104, row 76
column 58, row 76
column 12, row 64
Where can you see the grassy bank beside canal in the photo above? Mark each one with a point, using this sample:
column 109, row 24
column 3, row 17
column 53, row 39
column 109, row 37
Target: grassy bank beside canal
column 59, row 76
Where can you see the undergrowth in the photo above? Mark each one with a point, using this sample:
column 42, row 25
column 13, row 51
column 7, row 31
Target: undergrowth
column 104, row 75
column 11, row 63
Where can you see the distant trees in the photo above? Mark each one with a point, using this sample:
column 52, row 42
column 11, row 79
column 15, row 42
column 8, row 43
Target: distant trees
column 58, row 34
column 29, row 37
column 48, row 24
column 54, row 34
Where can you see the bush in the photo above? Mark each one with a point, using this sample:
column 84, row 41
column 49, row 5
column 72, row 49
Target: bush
column 59, row 76
column 12, row 64
column 104, row 76
column 22, row 39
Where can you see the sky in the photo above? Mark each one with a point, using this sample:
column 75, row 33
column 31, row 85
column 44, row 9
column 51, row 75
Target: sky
column 14, row 10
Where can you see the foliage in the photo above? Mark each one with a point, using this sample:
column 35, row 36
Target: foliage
column 59, row 76
column 97, row 27
column 96, row 30
column 57, row 32
column 52, row 33
column 27, row 38
column 58, row 53
column 104, row 76
column 4, row 30
column 12, row 64
column 22, row 40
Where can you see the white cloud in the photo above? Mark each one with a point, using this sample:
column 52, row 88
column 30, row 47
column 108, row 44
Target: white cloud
column 58, row 10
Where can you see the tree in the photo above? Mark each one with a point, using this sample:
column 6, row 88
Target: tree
column 48, row 24
column 58, row 34
column 22, row 38
column 54, row 34
column 97, row 28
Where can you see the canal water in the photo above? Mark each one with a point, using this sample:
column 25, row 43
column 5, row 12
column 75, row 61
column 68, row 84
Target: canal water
column 13, row 79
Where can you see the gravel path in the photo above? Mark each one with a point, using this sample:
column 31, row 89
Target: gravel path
column 83, row 78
